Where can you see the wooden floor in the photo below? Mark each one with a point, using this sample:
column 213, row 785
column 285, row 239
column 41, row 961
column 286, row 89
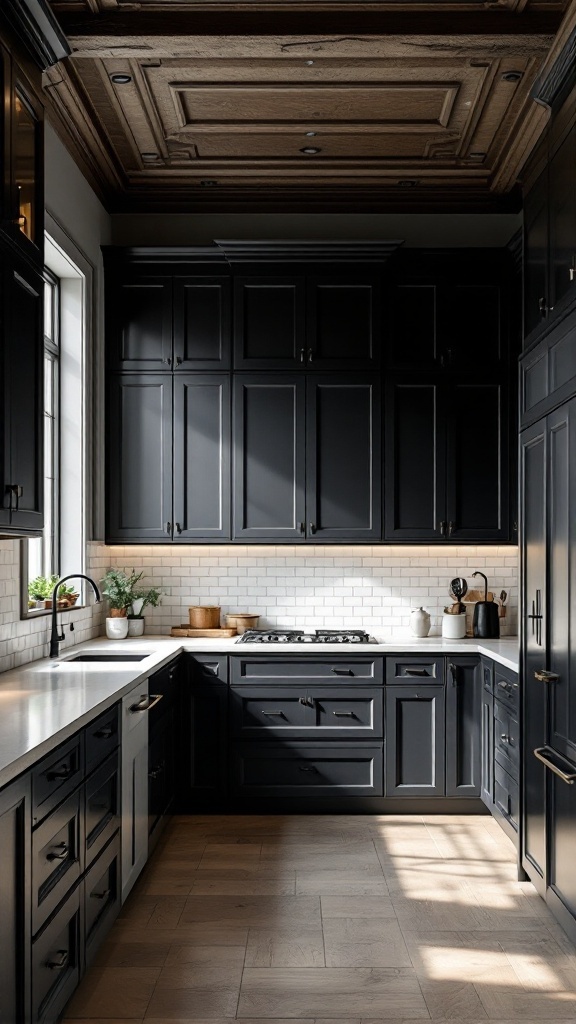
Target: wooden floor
column 334, row 919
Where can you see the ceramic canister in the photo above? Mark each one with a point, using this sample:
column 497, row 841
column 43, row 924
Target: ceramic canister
column 420, row 622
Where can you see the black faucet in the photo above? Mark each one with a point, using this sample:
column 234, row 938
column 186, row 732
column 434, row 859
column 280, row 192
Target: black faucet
column 55, row 636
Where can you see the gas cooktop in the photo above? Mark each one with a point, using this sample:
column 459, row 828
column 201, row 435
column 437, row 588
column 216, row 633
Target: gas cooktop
column 298, row 636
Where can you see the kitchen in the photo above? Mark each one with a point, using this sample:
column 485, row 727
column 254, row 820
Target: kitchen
column 286, row 297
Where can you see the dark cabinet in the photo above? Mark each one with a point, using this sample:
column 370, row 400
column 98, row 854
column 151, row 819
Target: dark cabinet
column 201, row 453
column 562, row 219
column 487, row 736
column 204, row 753
column 158, row 320
column 164, row 738
column 23, row 159
column 447, row 459
column 306, row 712
column 307, row 463
column 269, row 772
column 22, row 416
column 269, row 323
column 536, row 299
column 15, row 900
column 415, row 739
column 57, row 961
column 463, row 727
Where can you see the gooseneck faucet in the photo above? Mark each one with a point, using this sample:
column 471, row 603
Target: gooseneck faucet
column 55, row 636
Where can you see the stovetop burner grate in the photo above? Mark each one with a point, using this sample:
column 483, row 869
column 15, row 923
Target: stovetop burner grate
column 299, row 636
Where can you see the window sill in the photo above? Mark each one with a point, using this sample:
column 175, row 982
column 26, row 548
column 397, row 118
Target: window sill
column 38, row 613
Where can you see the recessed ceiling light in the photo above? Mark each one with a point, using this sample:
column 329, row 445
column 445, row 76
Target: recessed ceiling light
column 121, row 79
column 208, row 183
column 476, row 156
column 310, row 135
column 310, row 150
column 309, row 63
column 149, row 158
column 512, row 76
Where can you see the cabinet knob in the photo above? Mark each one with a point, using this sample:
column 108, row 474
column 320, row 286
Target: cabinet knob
column 302, row 355
column 178, row 528
column 442, row 527
column 312, row 527
column 302, row 527
column 178, row 360
column 167, row 527
column 168, row 360
column 451, row 528
column 310, row 355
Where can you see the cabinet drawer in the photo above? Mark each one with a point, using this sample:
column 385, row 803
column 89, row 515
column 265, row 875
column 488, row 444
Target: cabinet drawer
column 208, row 668
column 101, row 898
column 506, row 739
column 56, row 962
column 55, row 777
column 278, row 670
column 102, row 807
column 56, row 859
column 261, row 770
column 507, row 689
column 506, row 795
column 307, row 712
column 414, row 670
column 101, row 738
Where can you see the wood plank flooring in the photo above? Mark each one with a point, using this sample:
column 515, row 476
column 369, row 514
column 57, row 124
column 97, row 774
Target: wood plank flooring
column 335, row 920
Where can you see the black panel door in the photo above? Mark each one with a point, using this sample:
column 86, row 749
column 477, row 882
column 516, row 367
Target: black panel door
column 487, row 734
column 269, row 323
column 24, row 376
column 561, row 428
column 415, row 489
column 415, row 740
column 536, row 255
column 15, row 900
column 139, row 322
column 562, row 876
column 201, row 457
column 463, row 733
column 201, row 323
column 269, row 452
column 562, row 219
column 533, row 502
column 343, row 323
column 343, row 458
column 477, row 468
column 470, row 326
column 414, row 322
column 139, row 445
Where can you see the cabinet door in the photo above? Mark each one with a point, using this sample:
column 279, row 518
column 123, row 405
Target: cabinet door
column 471, row 325
column 463, row 735
column 562, row 197
column 415, row 341
column 26, row 167
column 343, row 458
column 269, row 452
column 161, row 772
column 415, row 486
column 134, row 786
column 344, row 322
column 139, row 322
column 562, row 826
column 487, row 748
column 561, row 428
column 536, row 255
column 477, row 470
column 415, row 740
column 205, row 749
column 533, row 501
column 269, row 323
column 139, row 446
column 201, row 457
column 24, row 375
column 202, row 323
column 15, row 900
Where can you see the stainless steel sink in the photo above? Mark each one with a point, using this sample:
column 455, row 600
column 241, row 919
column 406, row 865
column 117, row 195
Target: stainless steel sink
column 108, row 657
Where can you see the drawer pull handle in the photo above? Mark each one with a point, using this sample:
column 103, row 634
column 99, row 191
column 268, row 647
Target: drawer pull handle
column 505, row 737
column 342, row 671
column 104, row 734
column 100, row 895
column 60, row 773
column 344, row 714
column 147, row 703
column 63, row 855
column 541, row 752
column 274, row 714
column 417, row 672
column 546, row 677
column 60, row 963
column 303, row 768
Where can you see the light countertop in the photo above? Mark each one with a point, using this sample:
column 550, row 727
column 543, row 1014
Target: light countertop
column 42, row 704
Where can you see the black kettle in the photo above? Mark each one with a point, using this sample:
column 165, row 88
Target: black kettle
column 486, row 625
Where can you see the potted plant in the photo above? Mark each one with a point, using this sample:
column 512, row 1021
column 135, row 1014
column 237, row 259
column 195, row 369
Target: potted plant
column 40, row 591
column 118, row 586
column 67, row 597
column 142, row 598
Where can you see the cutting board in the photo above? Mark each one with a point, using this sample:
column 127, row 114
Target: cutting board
column 186, row 630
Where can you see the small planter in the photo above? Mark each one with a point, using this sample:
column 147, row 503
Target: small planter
column 136, row 625
column 36, row 604
column 117, row 627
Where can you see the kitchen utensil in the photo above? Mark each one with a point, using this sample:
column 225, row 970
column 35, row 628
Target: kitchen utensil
column 241, row 621
column 204, row 616
column 503, row 596
column 485, row 625
column 420, row 622
column 458, row 590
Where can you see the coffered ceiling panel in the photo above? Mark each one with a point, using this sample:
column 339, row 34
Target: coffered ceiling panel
column 285, row 121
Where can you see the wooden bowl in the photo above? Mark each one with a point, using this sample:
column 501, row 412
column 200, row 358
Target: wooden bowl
column 204, row 616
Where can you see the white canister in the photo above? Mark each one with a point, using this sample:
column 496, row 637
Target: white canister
column 135, row 625
column 420, row 622
column 454, row 626
column 117, row 628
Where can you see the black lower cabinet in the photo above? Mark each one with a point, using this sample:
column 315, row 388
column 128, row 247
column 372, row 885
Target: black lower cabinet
column 487, row 735
column 203, row 775
column 15, row 888
column 274, row 771
column 164, row 731
column 415, row 740
column 102, row 895
column 57, row 960
column 463, row 732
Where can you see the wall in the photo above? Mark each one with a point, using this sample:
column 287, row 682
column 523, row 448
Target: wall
column 373, row 588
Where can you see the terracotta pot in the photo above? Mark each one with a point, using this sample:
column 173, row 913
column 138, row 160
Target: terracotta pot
column 117, row 613
column 204, row 616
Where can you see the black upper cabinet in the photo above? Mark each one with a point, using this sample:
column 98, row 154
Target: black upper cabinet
column 22, row 417
column 160, row 321
column 201, row 456
column 562, row 191
column 269, row 323
column 313, row 321
column 536, row 256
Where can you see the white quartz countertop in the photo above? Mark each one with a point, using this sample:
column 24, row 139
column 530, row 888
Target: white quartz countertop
column 42, row 704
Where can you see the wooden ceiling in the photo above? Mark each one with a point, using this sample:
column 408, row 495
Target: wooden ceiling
column 304, row 104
